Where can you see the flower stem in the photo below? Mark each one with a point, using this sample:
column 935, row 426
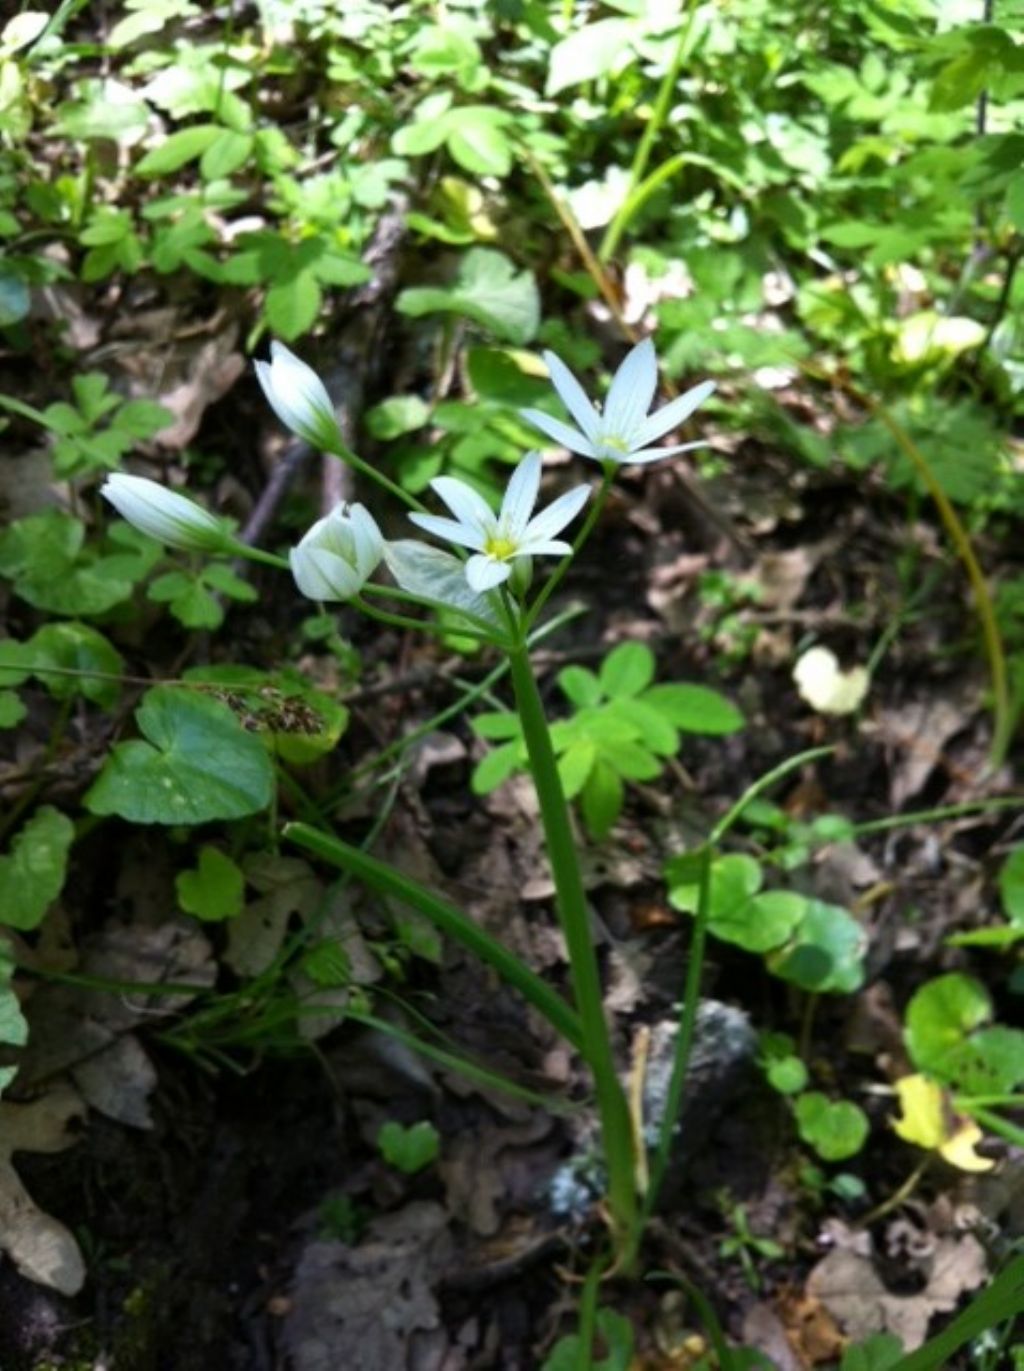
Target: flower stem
column 616, row 1129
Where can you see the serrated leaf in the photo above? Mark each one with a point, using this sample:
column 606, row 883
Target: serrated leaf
column 197, row 764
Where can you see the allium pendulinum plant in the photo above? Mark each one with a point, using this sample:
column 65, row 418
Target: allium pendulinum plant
column 487, row 583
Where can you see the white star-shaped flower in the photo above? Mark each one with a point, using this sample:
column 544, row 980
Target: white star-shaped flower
column 498, row 539
column 624, row 429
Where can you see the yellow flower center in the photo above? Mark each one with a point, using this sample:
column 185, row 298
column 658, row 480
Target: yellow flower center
column 615, row 443
column 500, row 547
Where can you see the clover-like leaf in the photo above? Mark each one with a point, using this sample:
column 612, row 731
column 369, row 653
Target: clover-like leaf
column 197, row 764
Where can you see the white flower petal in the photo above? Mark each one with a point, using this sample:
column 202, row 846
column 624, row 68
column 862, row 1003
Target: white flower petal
column 467, row 504
column 163, row 514
column 369, row 540
column 655, row 454
column 449, row 530
column 520, row 496
column 631, row 392
column 562, row 434
column 572, row 395
column 484, row 573
column 320, row 575
column 673, row 414
column 298, row 396
column 548, row 547
column 559, row 513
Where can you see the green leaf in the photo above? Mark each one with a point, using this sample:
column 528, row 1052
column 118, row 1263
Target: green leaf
column 496, row 767
column 32, row 874
column 763, row 923
column 397, row 415
column 498, row 725
column 408, row 1149
column 489, row 291
column 477, row 141
column 627, row 670
column 734, row 879
column 76, row 648
column 180, row 147
column 579, row 686
column 631, row 760
column 575, row 765
column 787, row 1075
column 880, row 1352
column 694, row 708
column 590, row 52
column 198, row 764
column 940, row 1017
column 291, row 306
column 653, row 728
column 228, row 151
column 13, row 1026
column 12, row 709
column 214, row 890
column 601, row 799
column 1011, row 886
column 826, row 953
column 836, row 1129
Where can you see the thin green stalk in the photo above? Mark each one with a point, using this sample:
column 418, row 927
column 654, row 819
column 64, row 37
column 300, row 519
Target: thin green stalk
column 346, row 455
column 588, row 1312
column 256, row 554
column 384, row 616
column 927, row 816
column 694, row 972
column 1002, row 704
column 655, row 124
column 451, row 1061
column 613, row 1110
column 555, row 579
column 684, row 1038
column 383, row 878
column 1002, row 1128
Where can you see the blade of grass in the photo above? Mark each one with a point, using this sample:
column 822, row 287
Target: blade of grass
column 384, row 880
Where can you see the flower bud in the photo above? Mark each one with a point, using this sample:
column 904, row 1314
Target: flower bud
column 338, row 555
column 299, row 398
column 163, row 514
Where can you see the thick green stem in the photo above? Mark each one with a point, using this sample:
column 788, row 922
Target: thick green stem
column 616, row 1129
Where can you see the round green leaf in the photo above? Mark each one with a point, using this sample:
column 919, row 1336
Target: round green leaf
column 941, row 1015
column 826, row 953
column 32, row 874
column 787, row 1075
column 214, row 890
column 1011, row 886
column 197, row 764
column 836, row 1129
column 758, row 924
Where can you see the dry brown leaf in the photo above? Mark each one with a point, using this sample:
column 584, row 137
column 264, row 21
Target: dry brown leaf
column 41, row 1248
column 287, row 886
column 373, row 1307
column 848, row 1285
